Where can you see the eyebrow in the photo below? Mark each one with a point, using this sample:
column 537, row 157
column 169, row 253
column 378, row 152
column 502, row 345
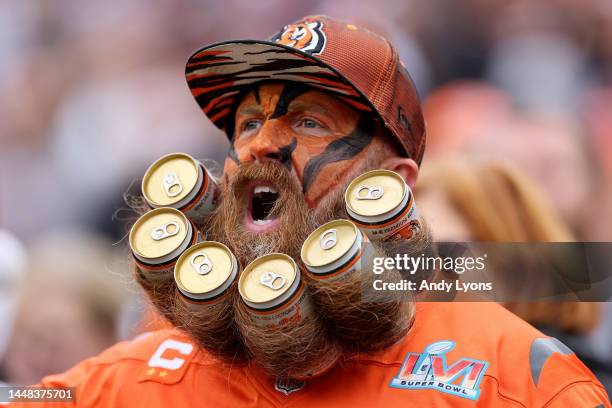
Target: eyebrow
column 299, row 105
column 296, row 105
column 250, row 110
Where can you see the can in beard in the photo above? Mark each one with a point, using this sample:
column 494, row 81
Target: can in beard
column 204, row 273
column 272, row 288
column 333, row 251
column 157, row 239
column 382, row 205
column 277, row 302
column 205, row 276
column 179, row 181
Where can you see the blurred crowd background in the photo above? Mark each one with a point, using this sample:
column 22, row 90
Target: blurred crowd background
column 518, row 103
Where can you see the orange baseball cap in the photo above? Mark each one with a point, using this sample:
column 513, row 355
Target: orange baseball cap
column 357, row 66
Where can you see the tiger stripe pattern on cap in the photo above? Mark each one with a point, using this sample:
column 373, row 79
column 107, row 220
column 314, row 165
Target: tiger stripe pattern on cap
column 358, row 66
column 218, row 74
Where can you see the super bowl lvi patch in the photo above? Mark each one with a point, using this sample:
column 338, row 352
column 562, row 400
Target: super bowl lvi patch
column 429, row 370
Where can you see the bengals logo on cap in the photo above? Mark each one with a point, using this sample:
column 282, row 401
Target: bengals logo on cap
column 306, row 36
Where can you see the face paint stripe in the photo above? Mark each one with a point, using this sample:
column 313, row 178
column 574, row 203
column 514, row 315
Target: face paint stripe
column 285, row 153
column 256, row 93
column 289, row 93
column 344, row 148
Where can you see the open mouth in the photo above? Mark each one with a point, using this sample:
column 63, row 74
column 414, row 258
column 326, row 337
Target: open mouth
column 262, row 199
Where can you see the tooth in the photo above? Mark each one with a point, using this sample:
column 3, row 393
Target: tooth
column 261, row 222
column 264, row 189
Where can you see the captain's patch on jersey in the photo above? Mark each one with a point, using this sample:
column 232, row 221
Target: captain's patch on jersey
column 429, row 370
column 169, row 363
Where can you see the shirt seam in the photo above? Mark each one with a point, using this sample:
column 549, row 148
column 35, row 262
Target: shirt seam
column 570, row 385
column 502, row 395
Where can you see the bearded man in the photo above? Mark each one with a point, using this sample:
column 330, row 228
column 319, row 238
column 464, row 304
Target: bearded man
column 306, row 112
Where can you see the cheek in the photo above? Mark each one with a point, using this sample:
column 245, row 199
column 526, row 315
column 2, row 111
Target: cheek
column 241, row 150
column 307, row 149
column 333, row 177
column 337, row 174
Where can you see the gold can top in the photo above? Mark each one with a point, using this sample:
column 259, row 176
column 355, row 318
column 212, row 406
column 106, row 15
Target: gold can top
column 159, row 233
column 170, row 179
column 205, row 270
column 375, row 193
column 268, row 280
column 329, row 243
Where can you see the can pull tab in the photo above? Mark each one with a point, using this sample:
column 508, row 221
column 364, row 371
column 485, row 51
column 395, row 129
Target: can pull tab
column 372, row 192
column 329, row 239
column 172, row 184
column 272, row 280
column 201, row 263
column 165, row 231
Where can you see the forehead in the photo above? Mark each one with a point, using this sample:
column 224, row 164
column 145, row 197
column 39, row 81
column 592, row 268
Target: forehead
column 264, row 98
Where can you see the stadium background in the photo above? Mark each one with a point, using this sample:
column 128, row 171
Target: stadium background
column 92, row 92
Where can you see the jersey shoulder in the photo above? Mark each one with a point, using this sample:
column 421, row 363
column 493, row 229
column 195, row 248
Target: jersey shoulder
column 497, row 354
column 142, row 347
column 149, row 361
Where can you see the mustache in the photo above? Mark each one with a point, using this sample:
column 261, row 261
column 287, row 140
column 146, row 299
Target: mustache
column 270, row 171
column 290, row 208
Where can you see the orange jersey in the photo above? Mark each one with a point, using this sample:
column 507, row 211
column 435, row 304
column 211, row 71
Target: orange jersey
column 456, row 354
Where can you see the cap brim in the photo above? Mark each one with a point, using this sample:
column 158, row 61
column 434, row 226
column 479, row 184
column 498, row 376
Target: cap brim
column 219, row 73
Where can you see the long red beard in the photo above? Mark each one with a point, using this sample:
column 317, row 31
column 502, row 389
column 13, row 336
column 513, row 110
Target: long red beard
column 343, row 317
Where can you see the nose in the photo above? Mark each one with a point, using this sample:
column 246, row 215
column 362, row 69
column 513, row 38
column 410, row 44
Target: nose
column 266, row 146
column 261, row 152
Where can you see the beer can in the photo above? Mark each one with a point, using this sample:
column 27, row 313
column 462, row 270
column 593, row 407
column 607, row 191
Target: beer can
column 275, row 296
column 204, row 273
column 382, row 205
column 333, row 251
column 272, row 288
column 157, row 239
column 179, row 181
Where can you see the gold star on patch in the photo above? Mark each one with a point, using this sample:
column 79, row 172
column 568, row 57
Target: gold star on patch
column 151, row 371
column 163, row 373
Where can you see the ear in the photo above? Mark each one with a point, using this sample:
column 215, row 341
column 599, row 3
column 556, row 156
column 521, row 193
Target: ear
column 407, row 168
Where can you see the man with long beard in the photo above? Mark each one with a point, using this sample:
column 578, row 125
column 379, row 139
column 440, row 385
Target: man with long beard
column 306, row 112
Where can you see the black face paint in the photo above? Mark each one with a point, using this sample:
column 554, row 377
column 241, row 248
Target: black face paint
column 256, row 94
column 289, row 93
column 285, row 153
column 344, row 148
column 230, row 125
